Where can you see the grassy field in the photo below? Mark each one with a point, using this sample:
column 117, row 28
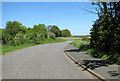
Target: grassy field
column 83, row 38
column 69, row 38
column 9, row 48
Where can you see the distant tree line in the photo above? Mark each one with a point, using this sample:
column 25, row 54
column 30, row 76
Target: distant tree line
column 15, row 33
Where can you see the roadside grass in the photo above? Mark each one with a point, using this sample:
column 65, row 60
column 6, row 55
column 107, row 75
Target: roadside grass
column 85, row 46
column 8, row 48
column 82, row 45
column 46, row 41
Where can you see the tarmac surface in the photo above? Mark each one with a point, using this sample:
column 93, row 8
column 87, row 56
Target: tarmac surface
column 98, row 66
column 47, row 61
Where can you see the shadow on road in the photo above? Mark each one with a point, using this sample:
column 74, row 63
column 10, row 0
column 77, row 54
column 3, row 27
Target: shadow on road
column 93, row 63
column 73, row 50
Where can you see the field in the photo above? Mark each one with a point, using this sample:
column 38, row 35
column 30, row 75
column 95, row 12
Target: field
column 69, row 38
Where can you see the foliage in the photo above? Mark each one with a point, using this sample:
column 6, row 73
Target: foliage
column 66, row 33
column 85, row 46
column 52, row 36
column 56, row 31
column 17, row 36
column 12, row 28
column 105, row 36
column 7, row 48
column 82, row 45
column 86, row 39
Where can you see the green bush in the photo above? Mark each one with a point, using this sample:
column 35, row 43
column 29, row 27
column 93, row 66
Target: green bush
column 52, row 36
column 86, row 39
column 118, row 62
column 81, row 44
column 90, row 51
column 105, row 57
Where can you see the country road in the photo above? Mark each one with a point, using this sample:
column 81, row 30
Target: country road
column 47, row 61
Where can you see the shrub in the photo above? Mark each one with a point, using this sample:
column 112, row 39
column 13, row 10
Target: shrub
column 52, row 36
column 86, row 39
column 90, row 51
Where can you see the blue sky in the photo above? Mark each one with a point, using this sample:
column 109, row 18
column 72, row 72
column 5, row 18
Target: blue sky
column 66, row 15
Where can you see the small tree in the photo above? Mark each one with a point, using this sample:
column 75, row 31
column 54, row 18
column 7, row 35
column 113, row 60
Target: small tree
column 12, row 28
column 56, row 31
column 66, row 33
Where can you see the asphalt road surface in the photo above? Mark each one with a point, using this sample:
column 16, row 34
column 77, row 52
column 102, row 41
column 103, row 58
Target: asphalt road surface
column 47, row 61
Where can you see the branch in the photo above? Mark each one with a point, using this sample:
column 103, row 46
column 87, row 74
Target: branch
column 89, row 11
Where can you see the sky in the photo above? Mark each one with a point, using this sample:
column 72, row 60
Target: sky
column 66, row 15
column 46, row 0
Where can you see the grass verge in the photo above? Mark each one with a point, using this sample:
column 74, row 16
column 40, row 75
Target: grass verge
column 85, row 46
column 8, row 48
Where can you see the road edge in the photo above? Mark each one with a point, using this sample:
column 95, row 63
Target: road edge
column 97, row 76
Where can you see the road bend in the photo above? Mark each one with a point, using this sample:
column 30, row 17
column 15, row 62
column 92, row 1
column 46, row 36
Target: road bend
column 47, row 61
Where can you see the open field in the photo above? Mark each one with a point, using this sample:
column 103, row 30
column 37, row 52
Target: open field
column 83, row 38
column 69, row 38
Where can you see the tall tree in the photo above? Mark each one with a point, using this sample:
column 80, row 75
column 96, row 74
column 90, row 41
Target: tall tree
column 105, row 34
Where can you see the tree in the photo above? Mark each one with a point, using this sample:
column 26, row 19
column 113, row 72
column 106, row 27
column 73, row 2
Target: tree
column 40, row 29
column 42, row 25
column 23, row 29
column 56, row 31
column 12, row 28
column 49, row 27
column 66, row 33
column 105, row 36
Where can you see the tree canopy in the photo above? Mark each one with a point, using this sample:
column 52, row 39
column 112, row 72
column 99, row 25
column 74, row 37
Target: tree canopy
column 15, row 33
column 105, row 34
column 66, row 33
column 56, row 31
